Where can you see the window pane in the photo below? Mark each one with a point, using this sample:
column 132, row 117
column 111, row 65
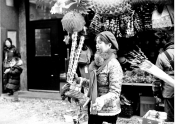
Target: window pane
column 40, row 10
column 42, row 42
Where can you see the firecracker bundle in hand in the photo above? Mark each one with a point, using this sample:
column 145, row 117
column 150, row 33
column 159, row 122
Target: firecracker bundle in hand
column 137, row 58
column 73, row 22
column 73, row 87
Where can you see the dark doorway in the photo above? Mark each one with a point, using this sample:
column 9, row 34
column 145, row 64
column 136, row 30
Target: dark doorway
column 45, row 54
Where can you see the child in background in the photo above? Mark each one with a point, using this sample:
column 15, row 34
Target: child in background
column 13, row 77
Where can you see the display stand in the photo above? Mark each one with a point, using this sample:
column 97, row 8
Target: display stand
column 134, row 92
column 136, row 84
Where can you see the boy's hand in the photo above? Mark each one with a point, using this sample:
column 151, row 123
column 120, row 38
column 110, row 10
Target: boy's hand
column 7, row 70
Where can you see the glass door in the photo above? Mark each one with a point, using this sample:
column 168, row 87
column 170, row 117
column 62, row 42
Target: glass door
column 46, row 53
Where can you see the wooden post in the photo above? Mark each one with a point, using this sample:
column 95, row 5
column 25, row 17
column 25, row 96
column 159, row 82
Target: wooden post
column 0, row 53
column 0, row 60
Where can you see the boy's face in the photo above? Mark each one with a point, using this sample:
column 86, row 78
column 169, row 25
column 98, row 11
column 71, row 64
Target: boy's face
column 7, row 43
column 12, row 62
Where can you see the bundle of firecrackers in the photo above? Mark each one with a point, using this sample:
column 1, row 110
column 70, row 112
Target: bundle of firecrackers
column 139, row 60
column 136, row 58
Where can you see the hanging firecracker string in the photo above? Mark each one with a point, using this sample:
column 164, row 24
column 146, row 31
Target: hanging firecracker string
column 137, row 23
column 118, row 34
column 96, row 24
column 130, row 26
column 76, row 59
column 71, row 60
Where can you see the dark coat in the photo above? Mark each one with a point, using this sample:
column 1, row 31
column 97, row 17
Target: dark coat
column 10, row 52
column 13, row 78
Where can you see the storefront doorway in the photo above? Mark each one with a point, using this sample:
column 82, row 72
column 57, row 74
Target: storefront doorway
column 45, row 54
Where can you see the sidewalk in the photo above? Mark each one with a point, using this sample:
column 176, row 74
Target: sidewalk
column 45, row 111
column 37, row 94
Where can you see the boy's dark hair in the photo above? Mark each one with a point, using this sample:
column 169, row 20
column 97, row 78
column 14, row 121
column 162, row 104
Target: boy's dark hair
column 162, row 35
column 15, row 58
column 165, row 34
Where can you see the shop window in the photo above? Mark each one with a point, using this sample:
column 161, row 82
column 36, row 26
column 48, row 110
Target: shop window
column 42, row 42
column 40, row 10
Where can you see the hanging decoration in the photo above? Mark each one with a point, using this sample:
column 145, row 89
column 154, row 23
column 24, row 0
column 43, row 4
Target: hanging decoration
column 96, row 24
column 125, row 25
column 73, row 22
column 145, row 13
column 128, row 21
column 138, row 26
column 110, row 7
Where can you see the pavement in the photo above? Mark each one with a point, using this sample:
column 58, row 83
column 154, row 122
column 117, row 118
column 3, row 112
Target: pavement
column 44, row 94
column 54, row 95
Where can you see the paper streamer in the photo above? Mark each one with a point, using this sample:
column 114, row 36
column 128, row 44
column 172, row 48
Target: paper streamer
column 153, row 69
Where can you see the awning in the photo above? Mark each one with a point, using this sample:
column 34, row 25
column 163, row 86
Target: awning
column 163, row 2
column 164, row 19
column 43, row 3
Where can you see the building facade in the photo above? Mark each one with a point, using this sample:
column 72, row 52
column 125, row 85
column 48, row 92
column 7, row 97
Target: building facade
column 38, row 35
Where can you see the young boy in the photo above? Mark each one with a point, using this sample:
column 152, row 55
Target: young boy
column 13, row 77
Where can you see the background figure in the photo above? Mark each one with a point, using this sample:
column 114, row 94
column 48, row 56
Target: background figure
column 13, row 77
column 162, row 89
column 9, row 51
column 105, row 81
column 84, row 61
column 83, row 64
